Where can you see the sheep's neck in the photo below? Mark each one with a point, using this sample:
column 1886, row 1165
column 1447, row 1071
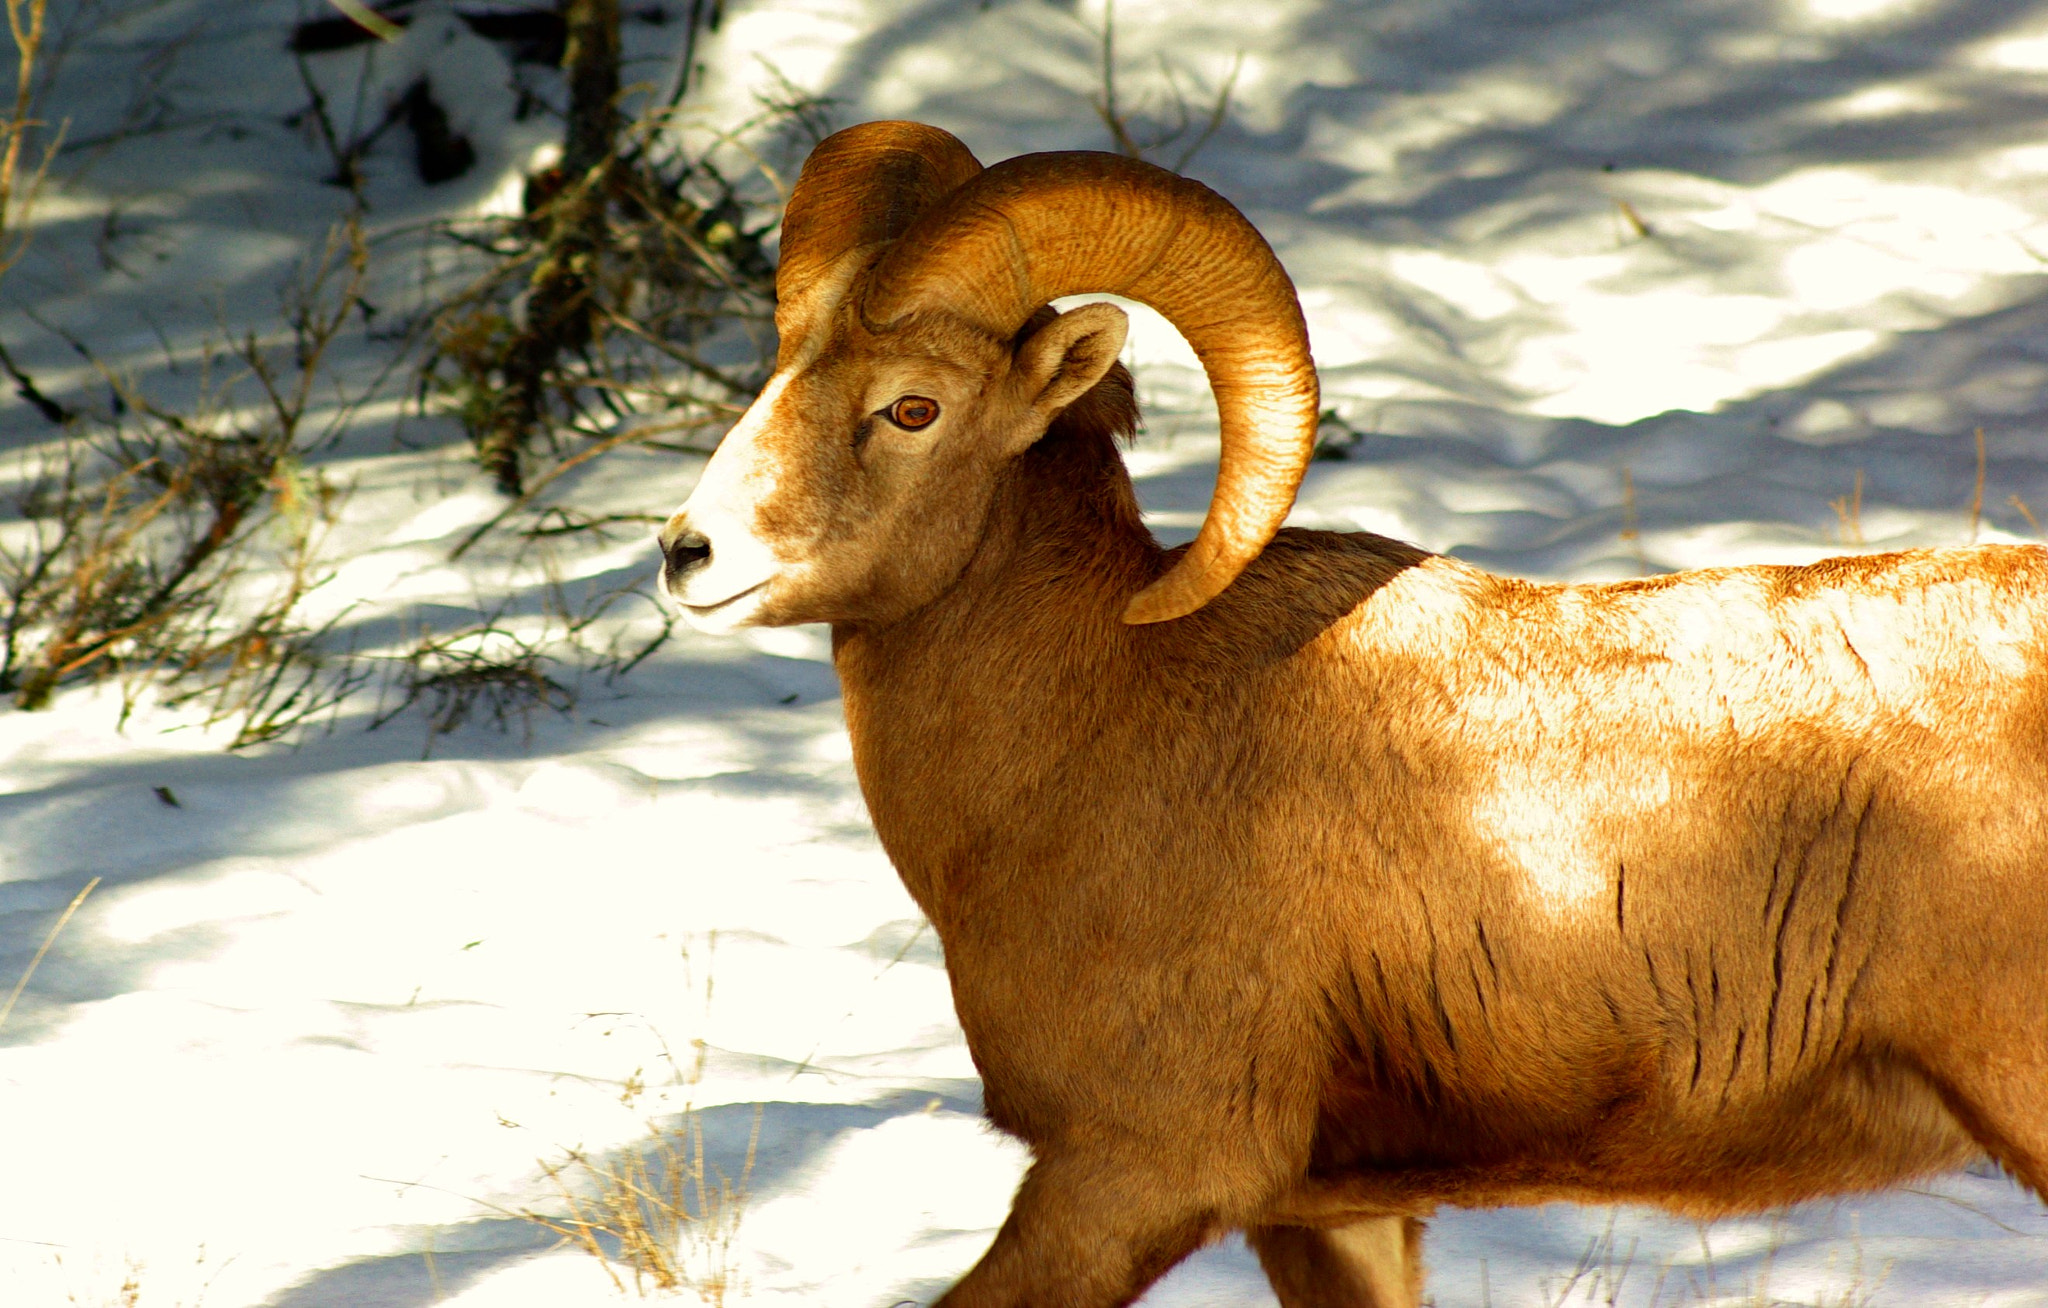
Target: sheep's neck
column 963, row 712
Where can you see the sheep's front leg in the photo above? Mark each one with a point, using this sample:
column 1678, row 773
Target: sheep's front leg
column 1375, row 1262
column 1083, row 1233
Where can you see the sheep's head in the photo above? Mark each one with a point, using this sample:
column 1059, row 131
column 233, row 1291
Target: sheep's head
column 855, row 487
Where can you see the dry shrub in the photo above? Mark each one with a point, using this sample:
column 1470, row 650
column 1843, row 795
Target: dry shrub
column 502, row 667
column 636, row 281
column 659, row 1206
column 486, row 671
column 171, row 546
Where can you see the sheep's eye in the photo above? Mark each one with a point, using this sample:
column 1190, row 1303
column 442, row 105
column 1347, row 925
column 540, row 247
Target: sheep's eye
column 912, row 412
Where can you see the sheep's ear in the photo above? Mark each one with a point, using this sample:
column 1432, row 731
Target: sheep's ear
column 1063, row 359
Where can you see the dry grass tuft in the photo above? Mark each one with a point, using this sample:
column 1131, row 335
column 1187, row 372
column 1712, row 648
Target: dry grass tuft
column 128, row 1291
column 660, row 1208
column 127, row 1295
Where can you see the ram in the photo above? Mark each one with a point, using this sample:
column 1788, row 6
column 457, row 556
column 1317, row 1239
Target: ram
column 1300, row 883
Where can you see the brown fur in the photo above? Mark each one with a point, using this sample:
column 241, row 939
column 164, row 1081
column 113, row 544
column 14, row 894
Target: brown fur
column 1381, row 883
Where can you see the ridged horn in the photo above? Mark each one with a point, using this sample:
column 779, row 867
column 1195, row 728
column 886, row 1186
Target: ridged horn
column 861, row 186
column 1040, row 226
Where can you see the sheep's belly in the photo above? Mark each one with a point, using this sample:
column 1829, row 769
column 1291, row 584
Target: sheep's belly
column 1870, row 1124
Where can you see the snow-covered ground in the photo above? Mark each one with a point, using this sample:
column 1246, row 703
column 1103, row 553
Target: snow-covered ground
column 1607, row 285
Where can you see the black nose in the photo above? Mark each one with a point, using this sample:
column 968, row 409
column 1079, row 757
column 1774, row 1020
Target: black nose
column 687, row 553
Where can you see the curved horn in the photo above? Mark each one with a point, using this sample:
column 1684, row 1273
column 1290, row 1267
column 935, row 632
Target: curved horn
column 1040, row 226
column 861, row 186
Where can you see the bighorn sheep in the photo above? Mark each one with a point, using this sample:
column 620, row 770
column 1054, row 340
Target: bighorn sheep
column 1299, row 883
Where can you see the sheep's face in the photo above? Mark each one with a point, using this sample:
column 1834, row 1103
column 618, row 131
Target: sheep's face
column 856, row 486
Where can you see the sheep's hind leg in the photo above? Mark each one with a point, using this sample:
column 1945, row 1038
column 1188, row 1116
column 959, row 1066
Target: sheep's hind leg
column 1372, row 1263
column 1083, row 1234
column 2002, row 1100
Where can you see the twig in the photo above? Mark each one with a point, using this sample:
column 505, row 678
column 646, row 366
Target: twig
column 346, row 171
column 369, row 19
column 24, row 386
column 1849, row 508
column 901, row 954
column 540, row 484
column 1112, row 116
column 1111, row 111
column 25, row 23
column 569, row 527
column 733, row 385
column 1217, row 113
column 1630, row 532
column 48, row 940
column 1977, row 494
column 1963, row 1204
column 2025, row 512
column 1635, row 220
column 703, row 13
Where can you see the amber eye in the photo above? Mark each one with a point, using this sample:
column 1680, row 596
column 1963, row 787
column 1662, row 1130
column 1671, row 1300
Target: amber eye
column 913, row 411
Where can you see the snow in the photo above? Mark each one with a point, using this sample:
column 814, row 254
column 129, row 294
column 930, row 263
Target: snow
column 315, row 1033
